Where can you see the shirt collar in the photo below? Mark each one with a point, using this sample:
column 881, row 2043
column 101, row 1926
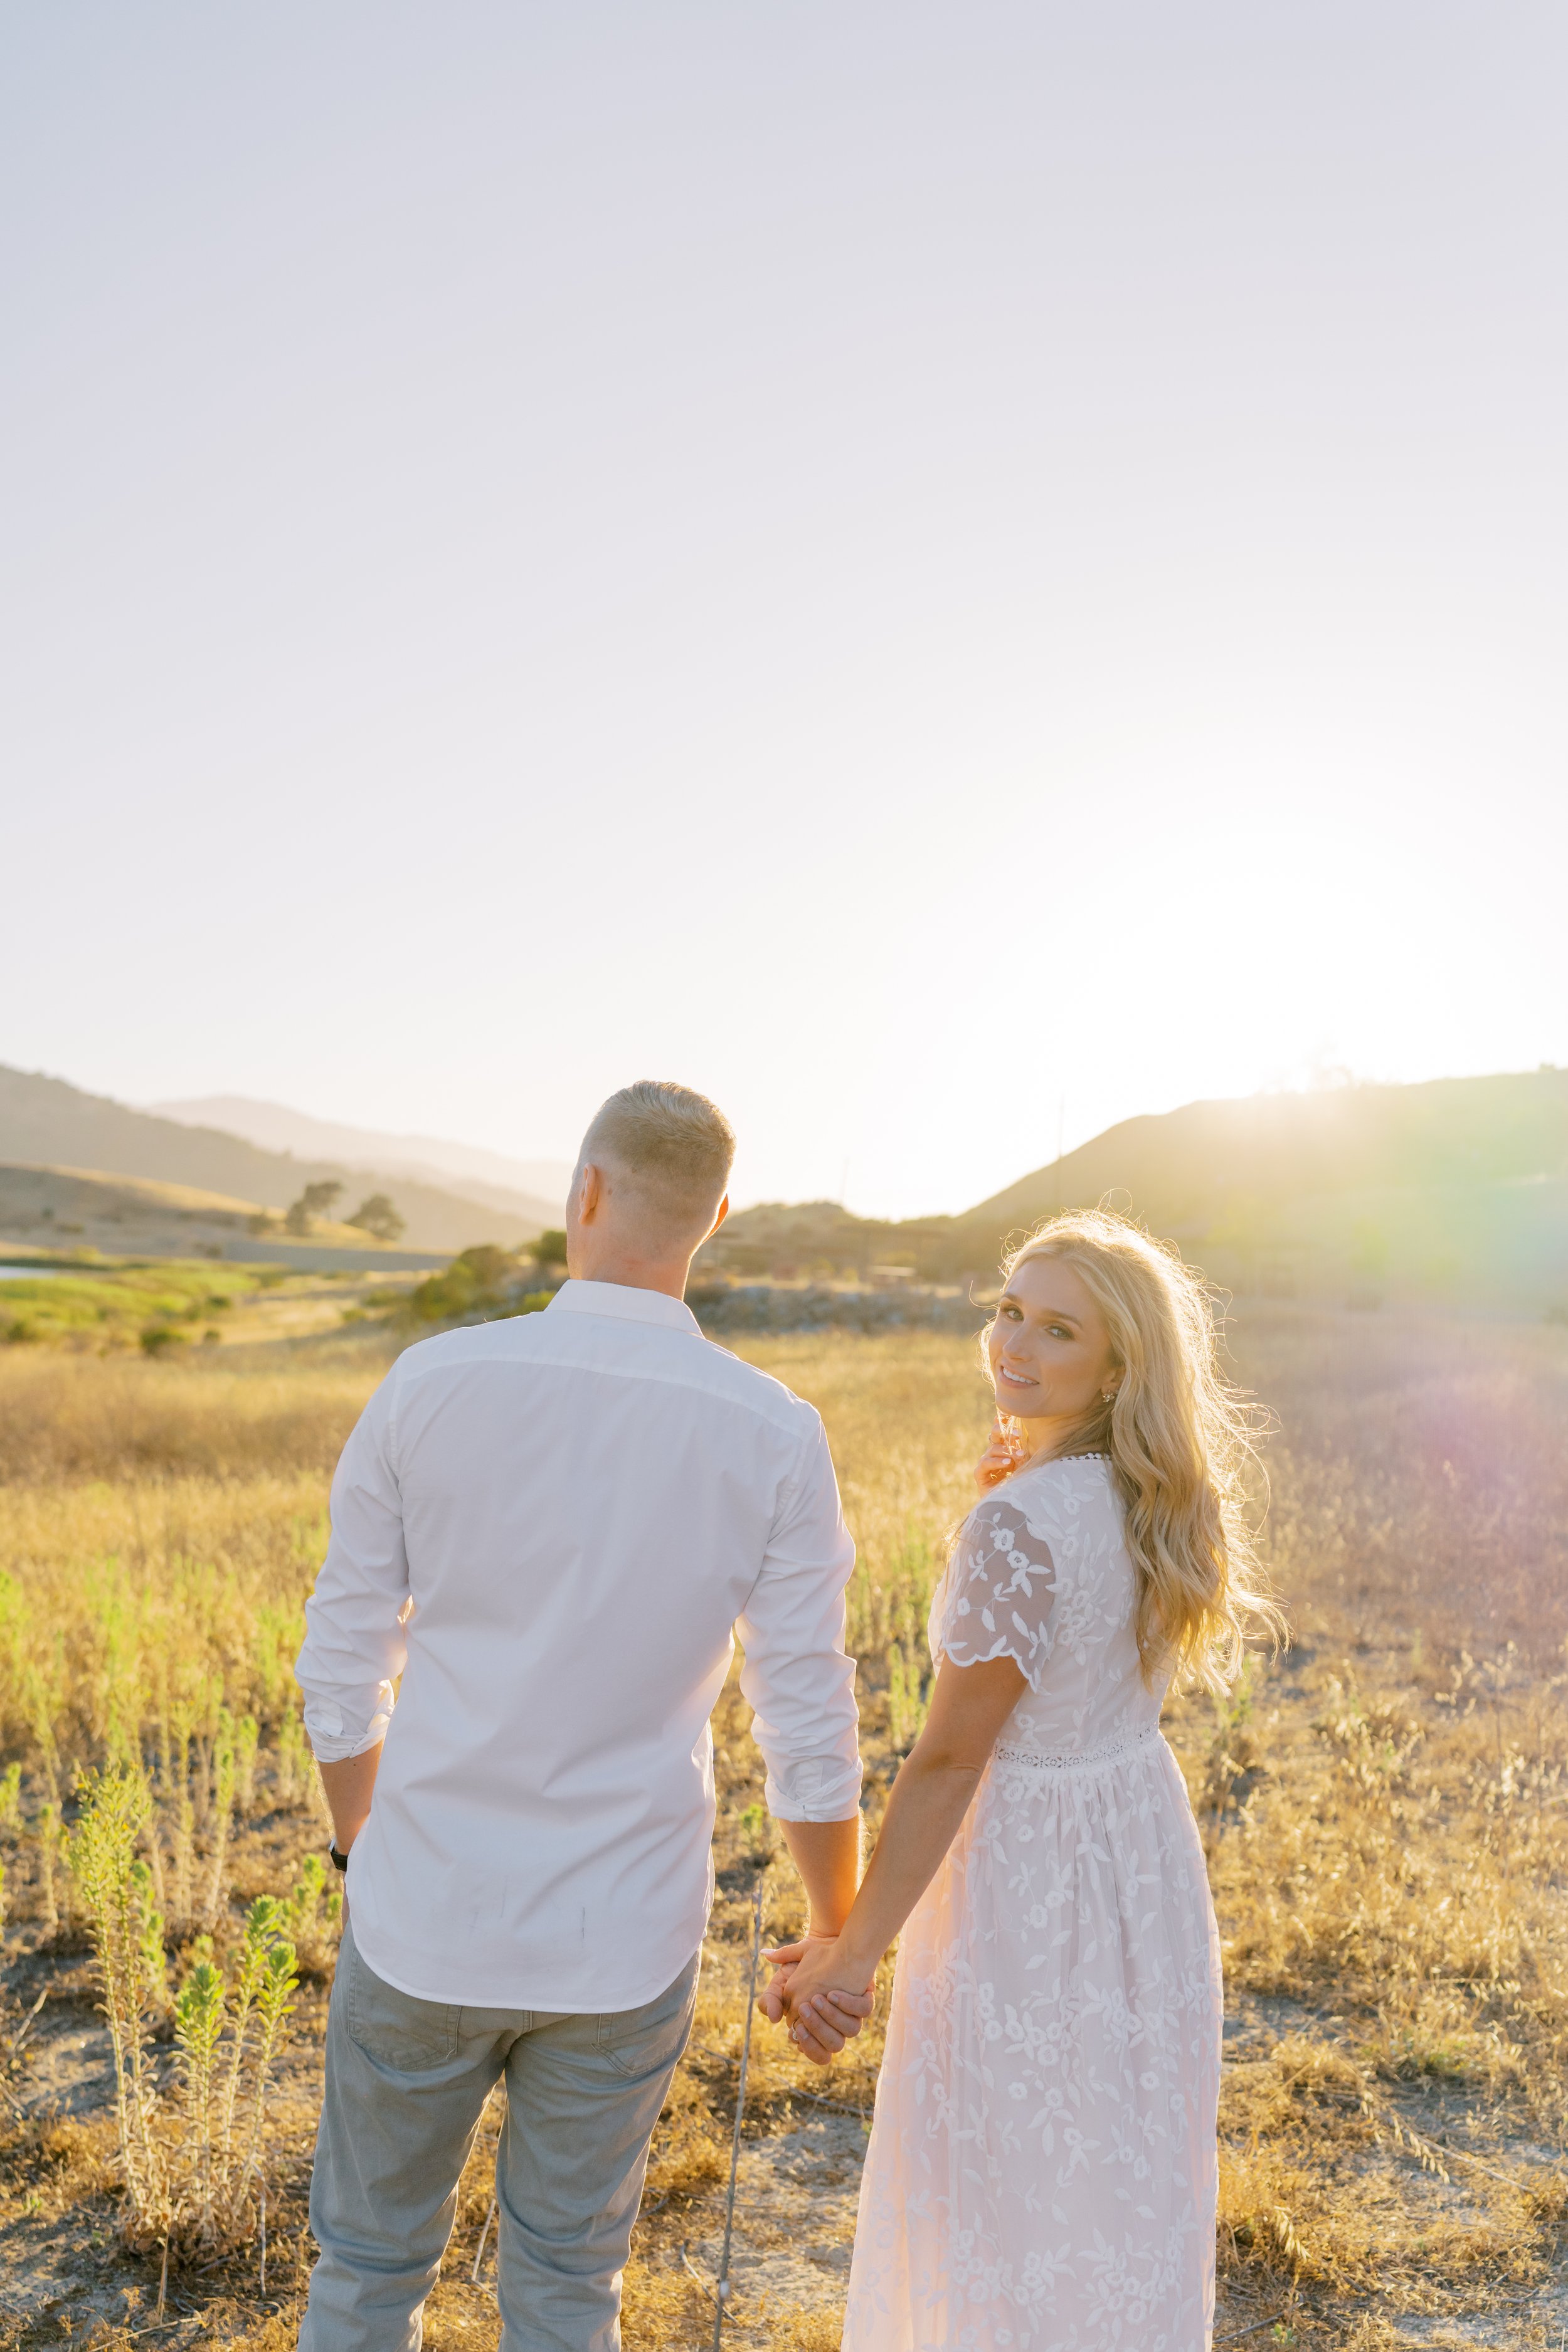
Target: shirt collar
column 626, row 1305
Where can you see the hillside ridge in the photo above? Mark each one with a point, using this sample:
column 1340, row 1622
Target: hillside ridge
column 46, row 1122
column 519, row 1186
column 1454, row 1190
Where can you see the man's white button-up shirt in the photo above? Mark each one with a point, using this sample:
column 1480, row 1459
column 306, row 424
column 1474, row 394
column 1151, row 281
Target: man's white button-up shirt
column 548, row 1528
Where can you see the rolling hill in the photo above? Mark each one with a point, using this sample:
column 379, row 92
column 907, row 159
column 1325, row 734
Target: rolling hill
column 520, row 1187
column 1454, row 1191
column 46, row 1122
column 80, row 1212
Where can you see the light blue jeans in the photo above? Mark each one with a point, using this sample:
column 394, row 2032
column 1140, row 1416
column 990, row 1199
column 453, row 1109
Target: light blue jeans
column 406, row 2082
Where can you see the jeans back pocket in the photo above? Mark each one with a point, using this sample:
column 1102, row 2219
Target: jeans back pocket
column 409, row 2036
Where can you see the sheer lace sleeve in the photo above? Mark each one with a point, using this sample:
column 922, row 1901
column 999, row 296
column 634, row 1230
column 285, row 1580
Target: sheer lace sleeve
column 1000, row 1589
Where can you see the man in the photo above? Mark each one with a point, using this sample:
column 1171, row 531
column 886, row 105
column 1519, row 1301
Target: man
column 548, row 1528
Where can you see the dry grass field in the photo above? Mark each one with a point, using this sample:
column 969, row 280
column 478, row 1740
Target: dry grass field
column 1385, row 1810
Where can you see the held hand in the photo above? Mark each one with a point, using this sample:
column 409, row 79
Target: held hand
column 820, row 2030
column 816, row 1994
column 774, row 1999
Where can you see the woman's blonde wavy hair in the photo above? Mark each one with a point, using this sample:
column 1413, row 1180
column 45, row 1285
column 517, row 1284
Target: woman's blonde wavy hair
column 1181, row 1442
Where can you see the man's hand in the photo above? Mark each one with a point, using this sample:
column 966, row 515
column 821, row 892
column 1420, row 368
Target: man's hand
column 833, row 2017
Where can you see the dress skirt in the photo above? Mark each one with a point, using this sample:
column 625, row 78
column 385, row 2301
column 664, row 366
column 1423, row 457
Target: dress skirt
column 1042, row 2169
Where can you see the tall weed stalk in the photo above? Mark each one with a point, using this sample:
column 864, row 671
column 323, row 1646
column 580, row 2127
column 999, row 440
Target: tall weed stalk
column 193, row 2166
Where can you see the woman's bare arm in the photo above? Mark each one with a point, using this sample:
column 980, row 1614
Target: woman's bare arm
column 931, row 1796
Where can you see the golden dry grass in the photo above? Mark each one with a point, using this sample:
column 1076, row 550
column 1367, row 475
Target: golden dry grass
column 1385, row 1811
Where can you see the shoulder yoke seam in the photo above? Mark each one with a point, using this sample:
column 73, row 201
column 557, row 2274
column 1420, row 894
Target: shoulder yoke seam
column 657, row 1379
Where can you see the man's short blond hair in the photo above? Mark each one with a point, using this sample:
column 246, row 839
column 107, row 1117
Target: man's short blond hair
column 675, row 1146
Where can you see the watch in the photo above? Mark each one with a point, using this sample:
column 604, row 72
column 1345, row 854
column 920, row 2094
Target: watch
column 340, row 1861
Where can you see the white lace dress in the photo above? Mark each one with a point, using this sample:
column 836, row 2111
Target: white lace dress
column 1041, row 2175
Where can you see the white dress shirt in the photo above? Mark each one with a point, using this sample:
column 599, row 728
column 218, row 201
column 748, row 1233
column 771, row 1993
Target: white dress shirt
column 549, row 1527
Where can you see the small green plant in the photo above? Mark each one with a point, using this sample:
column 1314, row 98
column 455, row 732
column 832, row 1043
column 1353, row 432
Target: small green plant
column 191, row 2171
column 279, row 1631
column 157, row 1337
column 757, row 1832
column 247, row 1738
column 227, row 2038
column 54, row 1898
column 1233, row 1750
column 312, row 1912
column 114, row 1810
column 293, row 1760
column 11, row 1802
column 220, row 1815
column 42, row 1703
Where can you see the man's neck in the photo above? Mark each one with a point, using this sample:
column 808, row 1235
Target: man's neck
column 667, row 1275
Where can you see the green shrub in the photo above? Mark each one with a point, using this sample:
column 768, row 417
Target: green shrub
column 477, row 1279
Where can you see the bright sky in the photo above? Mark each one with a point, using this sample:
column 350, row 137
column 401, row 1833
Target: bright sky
column 948, row 575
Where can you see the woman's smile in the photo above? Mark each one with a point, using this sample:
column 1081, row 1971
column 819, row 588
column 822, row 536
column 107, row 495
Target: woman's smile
column 1064, row 1371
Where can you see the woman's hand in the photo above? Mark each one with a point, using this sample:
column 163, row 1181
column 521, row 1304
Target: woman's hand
column 1002, row 1456
column 816, row 1991
column 832, row 2019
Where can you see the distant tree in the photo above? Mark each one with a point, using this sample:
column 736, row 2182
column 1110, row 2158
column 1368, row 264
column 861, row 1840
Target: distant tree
column 550, row 1249
column 376, row 1215
column 314, row 1201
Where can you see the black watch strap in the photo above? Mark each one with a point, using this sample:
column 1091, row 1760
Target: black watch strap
column 340, row 1861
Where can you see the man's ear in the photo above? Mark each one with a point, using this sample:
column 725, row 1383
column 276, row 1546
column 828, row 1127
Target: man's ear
column 720, row 1213
column 589, row 1193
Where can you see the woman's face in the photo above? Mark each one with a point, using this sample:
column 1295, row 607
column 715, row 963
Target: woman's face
column 1050, row 1352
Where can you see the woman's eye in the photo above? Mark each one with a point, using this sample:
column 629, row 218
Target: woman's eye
column 1059, row 1331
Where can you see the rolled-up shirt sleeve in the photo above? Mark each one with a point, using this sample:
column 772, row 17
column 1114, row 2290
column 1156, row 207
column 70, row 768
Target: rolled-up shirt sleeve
column 355, row 1646
column 797, row 1675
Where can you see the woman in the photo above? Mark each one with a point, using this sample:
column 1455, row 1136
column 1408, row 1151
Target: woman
column 1041, row 2175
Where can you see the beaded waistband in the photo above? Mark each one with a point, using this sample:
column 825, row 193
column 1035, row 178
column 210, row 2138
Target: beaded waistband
column 1115, row 1751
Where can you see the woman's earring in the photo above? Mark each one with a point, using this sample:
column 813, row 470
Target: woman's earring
column 1108, row 1396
